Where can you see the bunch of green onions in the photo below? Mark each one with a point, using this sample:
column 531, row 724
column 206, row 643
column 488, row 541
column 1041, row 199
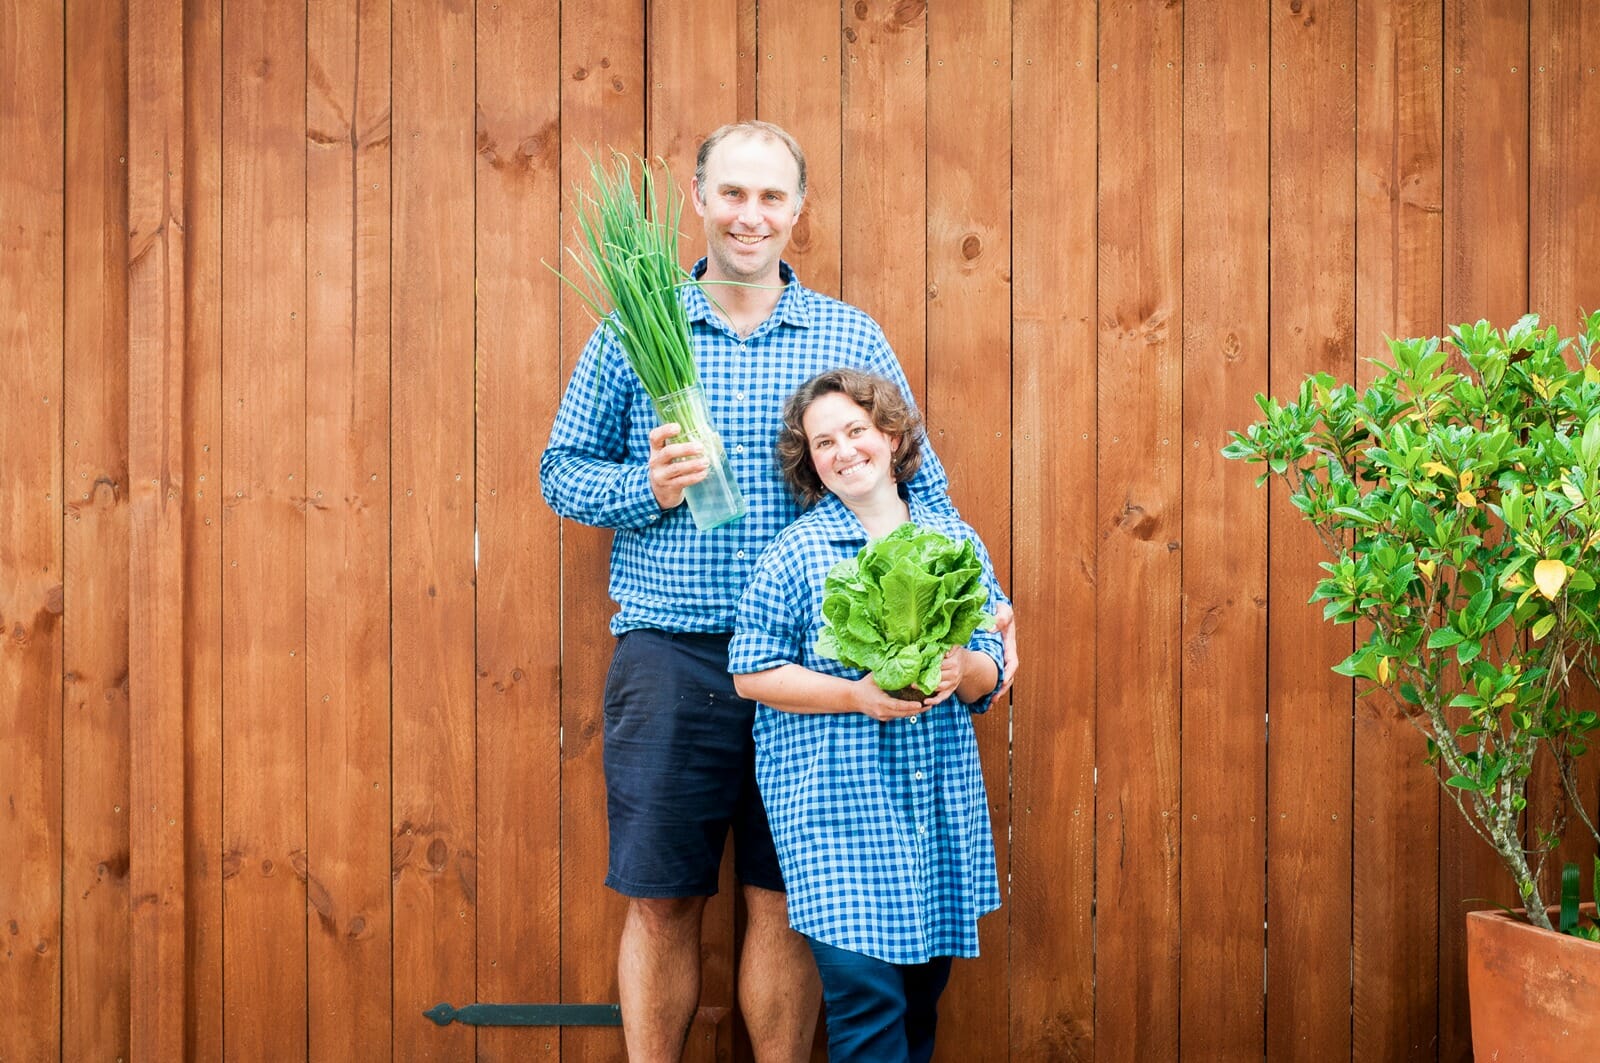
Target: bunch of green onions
column 629, row 256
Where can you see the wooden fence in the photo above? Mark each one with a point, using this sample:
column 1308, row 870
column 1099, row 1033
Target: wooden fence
column 299, row 682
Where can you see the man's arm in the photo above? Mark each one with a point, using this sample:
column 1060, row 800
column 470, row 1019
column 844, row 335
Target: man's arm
column 585, row 473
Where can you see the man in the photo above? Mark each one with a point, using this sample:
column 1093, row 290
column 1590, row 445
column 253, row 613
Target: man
column 678, row 755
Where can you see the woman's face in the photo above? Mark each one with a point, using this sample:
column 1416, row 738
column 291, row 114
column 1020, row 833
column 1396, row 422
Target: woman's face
column 853, row 458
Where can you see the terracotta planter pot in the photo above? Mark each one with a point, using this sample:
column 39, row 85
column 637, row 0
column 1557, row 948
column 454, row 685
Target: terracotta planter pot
column 1535, row 994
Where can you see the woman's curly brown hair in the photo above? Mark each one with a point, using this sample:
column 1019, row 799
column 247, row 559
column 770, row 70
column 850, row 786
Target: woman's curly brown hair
column 891, row 414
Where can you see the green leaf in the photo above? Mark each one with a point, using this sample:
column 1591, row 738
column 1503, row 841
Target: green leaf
column 1542, row 626
column 1570, row 881
column 1461, row 782
column 1444, row 638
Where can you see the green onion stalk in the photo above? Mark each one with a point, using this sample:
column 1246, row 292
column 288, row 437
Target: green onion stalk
column 629, row 258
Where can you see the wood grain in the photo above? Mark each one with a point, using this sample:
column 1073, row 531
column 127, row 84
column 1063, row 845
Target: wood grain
column 1399, row 179
column 1054, row 544
column 1140, row 523
column 968, row 403
column 347, row 429
column 263, row 476
column 519, row 574
column 883, row 249
column 1225, row 333
column 32, row 45
column 95, row 721
column 1485, row 275
column 1310, row 708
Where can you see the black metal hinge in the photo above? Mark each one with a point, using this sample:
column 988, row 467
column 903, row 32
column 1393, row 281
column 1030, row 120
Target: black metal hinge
column 528, row 1014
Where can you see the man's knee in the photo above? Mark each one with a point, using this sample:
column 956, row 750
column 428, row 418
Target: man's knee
column 666, row 916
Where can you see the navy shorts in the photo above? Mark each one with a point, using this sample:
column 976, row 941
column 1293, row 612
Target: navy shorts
column 680, row 770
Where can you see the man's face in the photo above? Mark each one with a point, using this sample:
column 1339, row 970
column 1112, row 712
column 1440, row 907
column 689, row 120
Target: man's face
column 749, row 204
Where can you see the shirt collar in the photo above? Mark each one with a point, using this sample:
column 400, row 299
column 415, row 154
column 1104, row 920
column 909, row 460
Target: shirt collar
column 837, row 524
column 793, row 305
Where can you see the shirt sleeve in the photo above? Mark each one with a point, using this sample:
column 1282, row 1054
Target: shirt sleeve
column 770, row 625
column 584, row 473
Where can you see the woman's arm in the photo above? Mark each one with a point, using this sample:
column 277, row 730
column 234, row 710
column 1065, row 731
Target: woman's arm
column 794, row 688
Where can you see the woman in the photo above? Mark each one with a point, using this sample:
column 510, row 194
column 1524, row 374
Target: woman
column 877, row 805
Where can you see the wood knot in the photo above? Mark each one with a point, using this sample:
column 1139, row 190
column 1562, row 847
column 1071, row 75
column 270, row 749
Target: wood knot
column 1231, row 347
column 971, row 247
column 862, row 8
column 580, row 73
column 908, row 11
column 438, row 853
column 53, row 600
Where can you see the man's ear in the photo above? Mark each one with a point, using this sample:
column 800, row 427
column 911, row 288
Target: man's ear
column 696, row 198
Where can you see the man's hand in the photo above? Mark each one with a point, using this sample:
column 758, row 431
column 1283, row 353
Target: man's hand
column 674, row 466
column 1006, row 621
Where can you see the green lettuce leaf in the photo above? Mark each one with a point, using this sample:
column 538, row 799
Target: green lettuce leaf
column 900, row 604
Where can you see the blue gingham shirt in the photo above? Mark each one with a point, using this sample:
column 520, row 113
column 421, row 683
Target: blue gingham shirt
column 882, row 829
column 665, row 573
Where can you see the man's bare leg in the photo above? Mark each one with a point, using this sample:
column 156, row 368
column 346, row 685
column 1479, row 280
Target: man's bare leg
column 779, row 991
column 658, row 972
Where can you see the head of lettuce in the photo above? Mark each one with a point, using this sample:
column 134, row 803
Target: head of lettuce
column 899, row 605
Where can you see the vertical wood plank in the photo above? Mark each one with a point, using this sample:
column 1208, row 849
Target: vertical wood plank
column 884, row 174
column 435, row 885
column 1225, row 325
column 32, row 38
column 1309, row 755
column 1139, row 573
column 264, row 593
column 152, row 590
column 969, row 401
column 798, row 60
column 1399, row 241
column 1564, row 281
column 95, row 738
column 1055, row 438
column 1485, row 276
column 519, row 586
column 347, row 531
column 692, row 56
column 602, row 107
column 202, row 530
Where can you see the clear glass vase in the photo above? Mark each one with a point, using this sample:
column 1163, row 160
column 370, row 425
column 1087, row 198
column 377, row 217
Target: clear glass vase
column 716, row 500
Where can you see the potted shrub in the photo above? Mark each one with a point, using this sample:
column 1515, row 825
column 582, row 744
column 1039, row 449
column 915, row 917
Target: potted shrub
column 1458, row 497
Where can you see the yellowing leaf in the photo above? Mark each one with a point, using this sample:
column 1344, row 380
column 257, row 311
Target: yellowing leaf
column 1427, row 567
column 1513, row 581
column 1468, row 499
column 1437, row 468
column 1549, row 575
column 1468, row 477
column 1383, row 669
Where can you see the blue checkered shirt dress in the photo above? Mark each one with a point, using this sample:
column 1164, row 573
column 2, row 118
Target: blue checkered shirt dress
column 882, row 829
column 665, row 573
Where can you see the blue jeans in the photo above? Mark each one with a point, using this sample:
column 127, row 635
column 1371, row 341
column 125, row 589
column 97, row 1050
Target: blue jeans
column 879, row 1012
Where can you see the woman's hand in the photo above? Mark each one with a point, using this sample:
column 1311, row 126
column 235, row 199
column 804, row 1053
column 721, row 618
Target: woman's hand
column 872, row 700
column 674, row 466
column 952, row 670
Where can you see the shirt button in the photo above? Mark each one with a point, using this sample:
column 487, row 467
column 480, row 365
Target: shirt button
column 919, row 775
column 739, row 449
column 921, row 829
column 914, row 719
column 739, row 555
column 739, row 396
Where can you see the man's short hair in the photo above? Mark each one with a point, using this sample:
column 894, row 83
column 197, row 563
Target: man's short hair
column 759, row 130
